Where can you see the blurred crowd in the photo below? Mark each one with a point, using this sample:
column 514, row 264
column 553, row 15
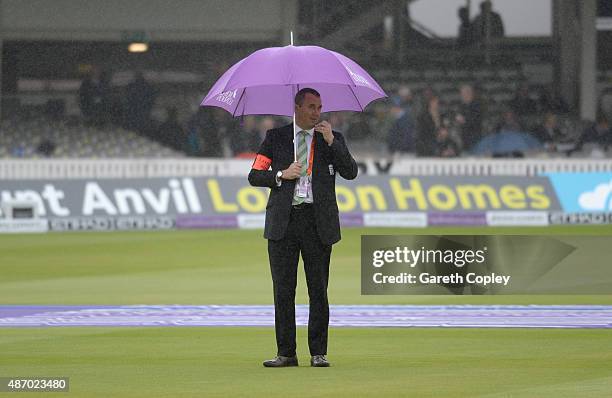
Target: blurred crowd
column 208, row 132
column 102, row 105
column 422, row 124
column 427, row 125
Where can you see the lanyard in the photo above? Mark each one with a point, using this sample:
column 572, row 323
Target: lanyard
column 311, row 156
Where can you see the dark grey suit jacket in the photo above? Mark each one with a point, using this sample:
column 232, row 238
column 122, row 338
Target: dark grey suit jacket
column 328, row 161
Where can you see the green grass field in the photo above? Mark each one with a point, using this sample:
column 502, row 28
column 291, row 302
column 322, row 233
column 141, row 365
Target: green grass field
column 230, row 267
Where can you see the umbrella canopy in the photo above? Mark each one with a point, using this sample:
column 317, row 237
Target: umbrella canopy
column 506, row 142
column 265, row 82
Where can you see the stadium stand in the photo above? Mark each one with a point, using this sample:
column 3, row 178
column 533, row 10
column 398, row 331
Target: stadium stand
column 44, row 138
column 182, row 74
column 40, row 137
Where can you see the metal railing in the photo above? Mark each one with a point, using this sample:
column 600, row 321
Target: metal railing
column 43, row 169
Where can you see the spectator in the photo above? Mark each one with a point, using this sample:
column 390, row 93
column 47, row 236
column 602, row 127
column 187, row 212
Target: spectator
column 400, row 137
column 200, row 121
column 359, row 128
column 548, row 132
column 551, row 102
column 380, row 125
column 140, row 97
column 104, row 100
column 339, row 121
column 205, row 130
column 599, row 133
column 404, row 97
column 445, row 147
column 522, row 104
column 401, row 126
column 465, row 35
column 509, row 122
column 18, row 151
column 421, row 104
column 86, row 96
column 46, row 147
column 428, row 123
column 171, row 132
column 605, row 102
column 193, row 143
column 94, row 97
column 241, row 139
column 469, row 117
column 265, row 124
column 252, row 134
column 225, row 125
column 487, row 19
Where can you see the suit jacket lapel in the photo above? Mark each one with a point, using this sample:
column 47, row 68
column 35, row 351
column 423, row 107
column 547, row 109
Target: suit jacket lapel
column 319, row 147
column 290, row 138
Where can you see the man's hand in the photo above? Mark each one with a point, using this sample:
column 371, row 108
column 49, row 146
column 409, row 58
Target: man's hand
column 292, row 172
column 326, row 129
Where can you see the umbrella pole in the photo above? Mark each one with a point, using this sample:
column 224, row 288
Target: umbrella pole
column 294, row 144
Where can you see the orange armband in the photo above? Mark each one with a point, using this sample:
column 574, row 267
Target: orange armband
column 261, row 162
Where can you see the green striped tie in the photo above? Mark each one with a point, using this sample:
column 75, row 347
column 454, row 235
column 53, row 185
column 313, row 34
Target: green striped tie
column 302, row 158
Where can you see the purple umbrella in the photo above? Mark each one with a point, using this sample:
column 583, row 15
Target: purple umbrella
column 265, row 82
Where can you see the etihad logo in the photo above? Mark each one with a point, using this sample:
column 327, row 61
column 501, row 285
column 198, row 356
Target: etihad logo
column 227, row 97
column 598, row 199
column 357, row 78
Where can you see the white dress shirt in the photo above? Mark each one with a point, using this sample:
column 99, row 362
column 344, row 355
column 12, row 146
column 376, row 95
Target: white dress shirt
column 309, row 137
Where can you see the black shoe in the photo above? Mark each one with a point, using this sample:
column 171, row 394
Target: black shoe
column 281, row 362
column 319, row 361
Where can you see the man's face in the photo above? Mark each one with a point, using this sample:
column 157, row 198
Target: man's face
column 309, row 113
column 467, row 94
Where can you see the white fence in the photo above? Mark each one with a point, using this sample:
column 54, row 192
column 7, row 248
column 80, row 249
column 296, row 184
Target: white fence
column 12, row 169
column 493, row 167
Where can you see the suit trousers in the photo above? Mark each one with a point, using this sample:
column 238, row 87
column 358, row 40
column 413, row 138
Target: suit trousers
column 301, row 237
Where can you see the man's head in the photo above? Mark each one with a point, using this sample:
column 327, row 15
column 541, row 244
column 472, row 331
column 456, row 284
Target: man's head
column 442, row 133
column 267, row 123
column 550, row 120
column 523, row 91
column 602, row 122
column 405, row 94
column 486, row 6
column 307, row 108
column 467, row 93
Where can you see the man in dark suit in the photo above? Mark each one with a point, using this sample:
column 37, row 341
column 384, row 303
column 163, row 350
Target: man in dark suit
column 302, row 217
